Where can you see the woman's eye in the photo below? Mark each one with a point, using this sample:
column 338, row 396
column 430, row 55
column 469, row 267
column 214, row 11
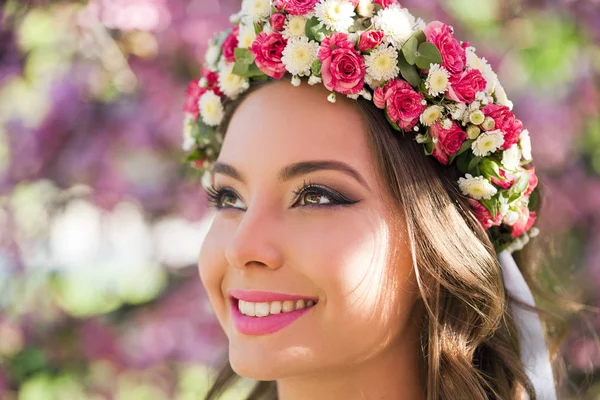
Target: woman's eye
column 313, row 197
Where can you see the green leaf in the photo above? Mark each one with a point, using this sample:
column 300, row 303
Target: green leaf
column 316, row 68
column 490, row 168
column 240, row 68
column 428, row 148
column 392, row 123
column 462, row 162
column 534, row 200
column 243, row 56
column 428, row 54
column 193, row 156
column 409, row 49
column 315, row 30
column 420, row 36
column 491, row 205
column 409, row 72
column 465, row 146
column 474, row 163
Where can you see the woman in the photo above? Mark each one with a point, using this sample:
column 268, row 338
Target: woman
column 343, row 261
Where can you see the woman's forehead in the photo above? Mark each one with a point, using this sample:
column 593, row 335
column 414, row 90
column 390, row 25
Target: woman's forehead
column 279, row 124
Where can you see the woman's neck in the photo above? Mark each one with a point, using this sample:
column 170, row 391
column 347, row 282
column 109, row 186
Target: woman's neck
column 391, row 375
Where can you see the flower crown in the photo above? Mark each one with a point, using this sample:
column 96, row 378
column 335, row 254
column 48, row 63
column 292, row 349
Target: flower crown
column 427, row 82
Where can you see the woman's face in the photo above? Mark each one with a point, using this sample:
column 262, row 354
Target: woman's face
column 331, row 242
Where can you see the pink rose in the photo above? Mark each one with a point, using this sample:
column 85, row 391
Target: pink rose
column 454, row 57
column 369, row 40
column 533, row 181
column 343, row 68
column 402, row 103
column 464, row 87
column 230, row 43
column 449, row 141
column 278, row 22
column 521, row 227
column 505, row 121
column 507, row 180
column 296, row 7
column 386, row 3
column 268, row 49
column 193, row 92
column 483, row 215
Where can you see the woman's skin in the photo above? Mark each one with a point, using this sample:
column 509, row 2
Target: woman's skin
column 361, row 340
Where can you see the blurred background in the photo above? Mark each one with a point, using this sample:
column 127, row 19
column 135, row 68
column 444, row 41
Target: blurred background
column 101, row 223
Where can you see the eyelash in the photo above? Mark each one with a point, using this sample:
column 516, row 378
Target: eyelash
column 216, row 192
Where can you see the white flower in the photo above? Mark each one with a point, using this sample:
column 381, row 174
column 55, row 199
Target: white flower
column 295, row 26
column 299, row 55
column 501, row 96
column 511, row 157
column 256, row 9
column 365, row 8
column 337, row 15
column 437, row 80
column 487, row 142
column 231, row 84
column 473, row 132
column 458, row 111
column 446, row 124
column 212, row 56
column 313, row 80
column 511, row 217
column 431, row 115
column 481, row 64
column 246, row 36
column 188, row 140
column 211, row 108
column 477, row 187
column 382, row 63
column 397, row 24
column 525, row 144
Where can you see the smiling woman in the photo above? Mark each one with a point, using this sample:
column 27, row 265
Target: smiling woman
column 323, row 201
column 342, row 262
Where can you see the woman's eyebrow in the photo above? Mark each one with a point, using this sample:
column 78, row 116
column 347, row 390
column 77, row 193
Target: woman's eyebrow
column 295, row 170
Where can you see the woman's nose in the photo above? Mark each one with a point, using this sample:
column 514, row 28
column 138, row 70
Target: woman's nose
column 257, row 240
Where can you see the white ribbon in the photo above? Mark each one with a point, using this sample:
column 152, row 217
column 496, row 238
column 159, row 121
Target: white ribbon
column 534, row 353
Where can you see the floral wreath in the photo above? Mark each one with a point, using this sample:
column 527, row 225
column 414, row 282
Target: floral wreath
column 428, row 83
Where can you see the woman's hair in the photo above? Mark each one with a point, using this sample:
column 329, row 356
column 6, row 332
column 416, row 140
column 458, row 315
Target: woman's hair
column 469, row 340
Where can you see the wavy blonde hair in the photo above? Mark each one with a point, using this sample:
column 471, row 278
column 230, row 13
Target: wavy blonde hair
column 469, row 342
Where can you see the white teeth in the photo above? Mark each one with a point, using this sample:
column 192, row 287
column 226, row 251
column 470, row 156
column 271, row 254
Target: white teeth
column 288, row 306
column 274, row 307
column 262, row 309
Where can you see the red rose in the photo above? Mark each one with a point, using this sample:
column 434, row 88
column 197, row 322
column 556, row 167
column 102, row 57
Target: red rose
column 483, row 215
column 505, row 121
column 533, row 181
column 278, row 22
column 454, row 57
column 370, row 39
column 268, row 49
column 464, row 87
column 507, row 180
column 193, row 92
column 343, row 68
column 296, row 7
column 520, row 226
column 230, row 43
column 212, row 80
column 449, row 141
column 402, row 103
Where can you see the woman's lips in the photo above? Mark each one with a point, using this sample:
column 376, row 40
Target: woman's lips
column 271, row 323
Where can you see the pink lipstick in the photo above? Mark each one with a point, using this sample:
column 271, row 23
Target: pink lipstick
column 268, row 324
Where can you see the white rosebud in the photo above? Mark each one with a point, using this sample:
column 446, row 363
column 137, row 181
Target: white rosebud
column 476, row 117
column 525, row 144
column 421, row 138
column 533, row 232
column 313, row 80
column 488, row 124
column 296, row 81
column 511, row 217
column 331, row 98
column 473, row 132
